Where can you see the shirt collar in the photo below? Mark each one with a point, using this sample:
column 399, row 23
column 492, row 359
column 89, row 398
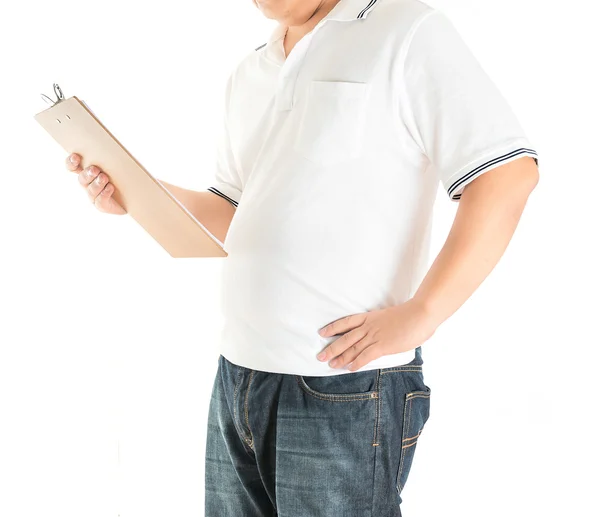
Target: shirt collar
column 344, row 10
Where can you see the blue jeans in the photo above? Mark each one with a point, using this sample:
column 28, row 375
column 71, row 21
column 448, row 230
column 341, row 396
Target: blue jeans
column 300, row 446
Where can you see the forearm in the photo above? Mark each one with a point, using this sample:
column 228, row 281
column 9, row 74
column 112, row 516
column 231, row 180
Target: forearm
column 214, row 212
column 487, row 216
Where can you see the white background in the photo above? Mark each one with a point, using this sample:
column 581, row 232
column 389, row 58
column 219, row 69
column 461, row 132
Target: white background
column 109, row 347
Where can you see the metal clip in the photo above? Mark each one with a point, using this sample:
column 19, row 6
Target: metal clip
column 59, row 96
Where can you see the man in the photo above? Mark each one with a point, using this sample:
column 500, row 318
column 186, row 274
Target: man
column 337, row 132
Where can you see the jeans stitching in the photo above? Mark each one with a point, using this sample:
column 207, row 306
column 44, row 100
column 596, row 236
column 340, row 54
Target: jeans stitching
column 412, row 438
column 235, row 419
column 405, row 417
column 335, row 397
column 235, row 391
column 418, row 395
column 251, row 441
column 377, row 409
column 376, row 437
column 405, row 427
column 403, row 369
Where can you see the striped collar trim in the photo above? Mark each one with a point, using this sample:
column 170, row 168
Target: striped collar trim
column 366, row 9
column 344, row 10
column 349, row 10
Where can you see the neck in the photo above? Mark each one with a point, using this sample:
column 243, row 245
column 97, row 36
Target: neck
column 296, row 32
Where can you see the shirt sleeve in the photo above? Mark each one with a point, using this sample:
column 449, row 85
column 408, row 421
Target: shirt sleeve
column 227, row 180
column 453, row 110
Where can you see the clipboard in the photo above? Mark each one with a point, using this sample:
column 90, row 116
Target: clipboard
column 73, row 125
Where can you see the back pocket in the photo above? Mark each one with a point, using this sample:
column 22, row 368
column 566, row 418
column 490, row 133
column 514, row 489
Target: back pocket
column 332, row 122
column 416, row 413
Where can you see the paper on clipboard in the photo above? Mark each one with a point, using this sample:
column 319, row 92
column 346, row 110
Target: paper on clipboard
column 75, row 127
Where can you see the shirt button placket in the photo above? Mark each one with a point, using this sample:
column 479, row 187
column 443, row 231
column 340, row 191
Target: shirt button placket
column 289, row 74
column 284, row 89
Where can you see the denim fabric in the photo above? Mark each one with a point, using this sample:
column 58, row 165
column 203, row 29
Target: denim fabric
column 300, row 446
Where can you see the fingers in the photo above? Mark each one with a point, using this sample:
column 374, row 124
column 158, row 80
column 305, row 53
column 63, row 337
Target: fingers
column 342, row 325
column 73, row 162
column 93, row 179
column 96, row 184
column 368, row 355
column 343, row 348
column 103, row 200
column 351, row 353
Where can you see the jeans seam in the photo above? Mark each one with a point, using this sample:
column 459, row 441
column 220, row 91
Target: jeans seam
column 418, row 395
column 409, row 438
column 377, row 409
column 235, row 392
column 237, row 424
column 333, row 397
column 402, row 369
column 251, row 441
column 405, row 421
column 376, row 438
column 408, row 398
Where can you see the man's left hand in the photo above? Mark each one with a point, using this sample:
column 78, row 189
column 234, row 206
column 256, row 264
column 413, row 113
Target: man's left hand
column 370, row 335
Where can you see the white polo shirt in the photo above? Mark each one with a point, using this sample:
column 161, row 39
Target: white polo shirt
column 333, row 157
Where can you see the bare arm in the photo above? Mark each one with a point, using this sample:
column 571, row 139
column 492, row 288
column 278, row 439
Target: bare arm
column 211, row 210
column 489, row 210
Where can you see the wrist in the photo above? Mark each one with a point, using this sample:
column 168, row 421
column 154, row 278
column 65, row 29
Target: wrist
column 428, row 315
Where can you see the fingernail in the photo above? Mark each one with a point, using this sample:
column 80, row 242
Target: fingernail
column 73, row 159
column 333, row 363
column 90, row 172
column 321, row 355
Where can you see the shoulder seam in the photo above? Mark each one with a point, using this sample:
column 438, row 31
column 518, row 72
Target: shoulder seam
column 403, row 55
column 415, row 26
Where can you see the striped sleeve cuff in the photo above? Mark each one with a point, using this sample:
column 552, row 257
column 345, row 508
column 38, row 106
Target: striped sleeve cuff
column 223, row 195
column 455, row 185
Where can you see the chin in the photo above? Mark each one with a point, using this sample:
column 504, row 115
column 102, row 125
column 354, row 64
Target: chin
column 276, row 10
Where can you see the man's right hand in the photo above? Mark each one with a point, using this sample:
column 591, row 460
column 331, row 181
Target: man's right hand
column 97, row 185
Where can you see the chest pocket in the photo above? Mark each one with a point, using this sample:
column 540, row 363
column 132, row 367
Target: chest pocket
column 332, row 122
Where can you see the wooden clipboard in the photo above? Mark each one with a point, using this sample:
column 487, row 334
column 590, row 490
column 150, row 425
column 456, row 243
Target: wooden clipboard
column 73, row 125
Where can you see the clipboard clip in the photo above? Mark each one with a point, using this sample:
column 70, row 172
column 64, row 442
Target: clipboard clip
column 60, row 96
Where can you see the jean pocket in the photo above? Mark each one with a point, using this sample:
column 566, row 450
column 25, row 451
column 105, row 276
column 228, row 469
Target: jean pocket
column 416, row 413
column 332, row 122
column 343, row 387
